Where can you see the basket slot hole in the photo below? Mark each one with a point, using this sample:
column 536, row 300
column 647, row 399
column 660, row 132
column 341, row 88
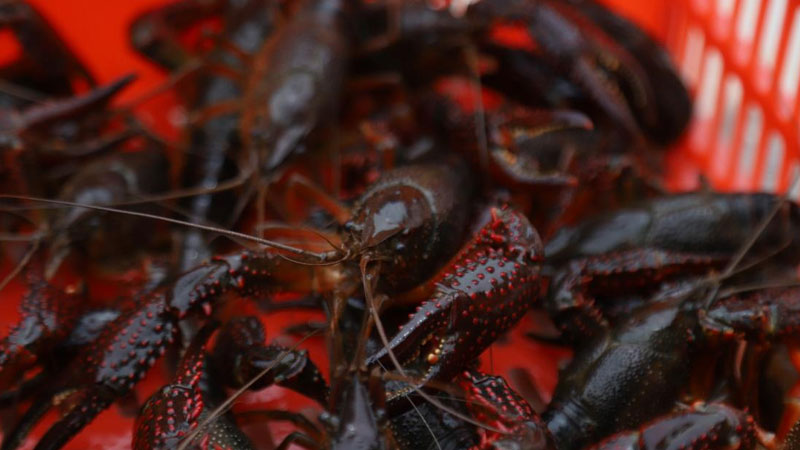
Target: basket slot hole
column 746, row 24
column 725, row 8
column 768, row 41
column 730, row 110
column 790, row 72
column 709, row 86
column 722, row 16
column 770, row 178
column 693, row 54
column 754, row 121
column 728, row 117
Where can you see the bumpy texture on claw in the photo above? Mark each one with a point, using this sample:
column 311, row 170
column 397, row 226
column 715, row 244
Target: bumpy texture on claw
column 171, row 413
column 484, row 292
column 106, row 369
column 48, row 316
column 763, row 315
column 492, row 401
column 634, row 250
column 178, row 408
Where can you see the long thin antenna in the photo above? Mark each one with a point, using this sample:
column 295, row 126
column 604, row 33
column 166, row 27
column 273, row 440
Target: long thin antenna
column 740, row 254
column 229, row 233
column 175, row 194
column 21, row 264
column 417, row 389
column 430, row 430
column 780, row 284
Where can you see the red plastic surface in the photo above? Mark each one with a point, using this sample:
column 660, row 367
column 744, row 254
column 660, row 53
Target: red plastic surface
column 741, row 59
column 703, row 39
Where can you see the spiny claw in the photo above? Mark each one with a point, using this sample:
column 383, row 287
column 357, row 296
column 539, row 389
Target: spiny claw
column 668, row 107
column 129, row 346
column 529, row 146
column 566, row 46
column 106, row 369
column 526, row 147
column 486, row 290
column 177, row 409
column 173, row 411
column 762, row 315
column 48, row 316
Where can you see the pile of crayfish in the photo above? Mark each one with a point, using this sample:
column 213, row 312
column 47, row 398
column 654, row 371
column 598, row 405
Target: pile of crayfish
column 427, row 183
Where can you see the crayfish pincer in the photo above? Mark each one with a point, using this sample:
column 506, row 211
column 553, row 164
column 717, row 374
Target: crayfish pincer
column 635, row 249
column 170, row 414
column 179, row 408
column 481, row 294
column 509, row 421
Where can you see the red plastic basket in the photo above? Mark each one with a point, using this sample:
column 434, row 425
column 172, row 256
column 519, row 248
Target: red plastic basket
column 740, row 58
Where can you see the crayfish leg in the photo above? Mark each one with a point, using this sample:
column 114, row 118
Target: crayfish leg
column 572, row 299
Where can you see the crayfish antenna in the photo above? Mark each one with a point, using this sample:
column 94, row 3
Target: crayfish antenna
column 26, row 258
column 373, row 309
column 224, row 232
column 732, row 266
